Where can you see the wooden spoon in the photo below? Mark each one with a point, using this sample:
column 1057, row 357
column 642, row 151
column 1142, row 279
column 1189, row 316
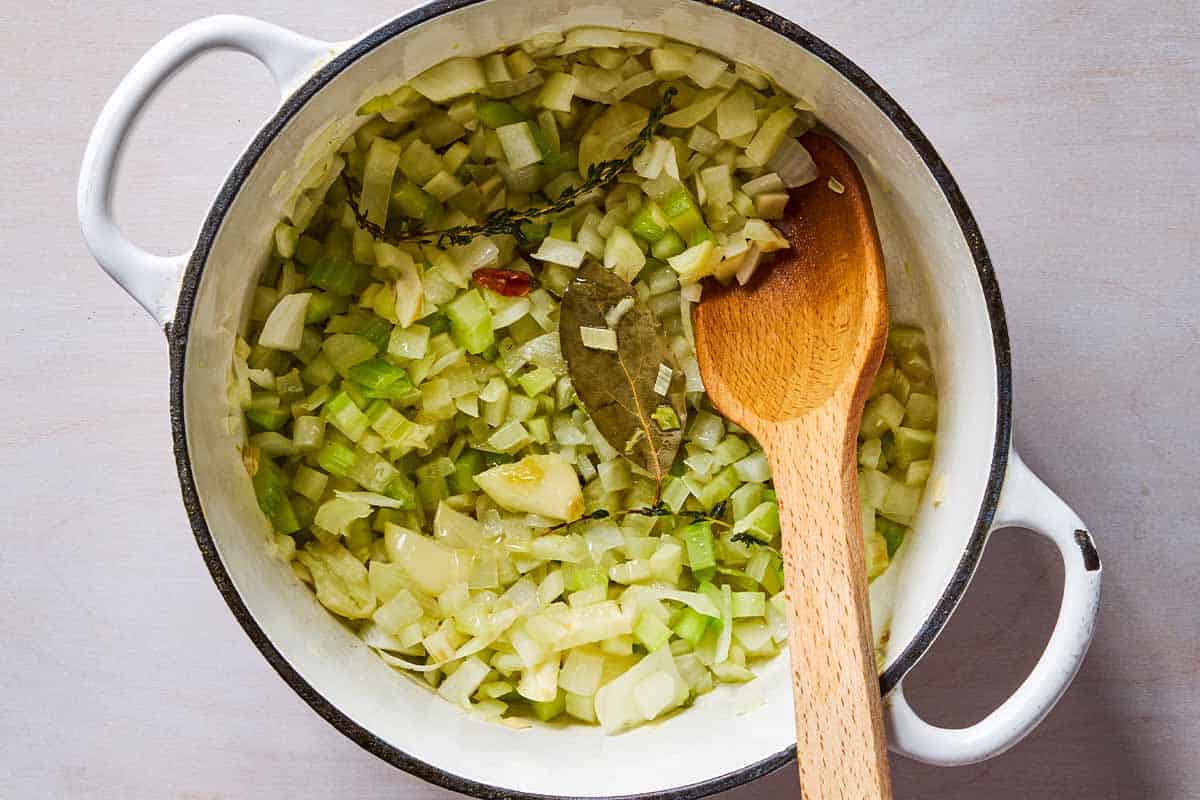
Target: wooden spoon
column 790, row 357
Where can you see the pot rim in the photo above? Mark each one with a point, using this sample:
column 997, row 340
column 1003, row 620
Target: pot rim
column 177, row 336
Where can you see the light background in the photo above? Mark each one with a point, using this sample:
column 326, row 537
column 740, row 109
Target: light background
column 1073, row 130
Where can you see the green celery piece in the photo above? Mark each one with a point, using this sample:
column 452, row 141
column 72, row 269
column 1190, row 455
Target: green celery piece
column 762, row 523
column 319, row 372
column 698, row 544
column 720, row 487
column 468, row 465
column 415, row 202
column 577, row 577
column 270, row 489
column 497, row 113
column 892, row 532
column 537, row 381
column 561, row 229
column 903, row 338
column 269, row 419
column 691, row 626
column 344, row 350
column 534, row 231
column 554, row 159
column 401, row 393
column 402, row 489
column 419, row 162
column 684, row 216
column 911, row 445
column 335, row 271
column 546, row 711
column 471, row 322
column 376, row 330
column 431, row 491
column 666, row 418
column 336, row 459
column 322, row 305
column 266, row 358
column 437, row 322
column 378, row 374
column 649, row 223
column 344, row 414
column 305, row 510
column 651, row 632
column 699, row 235
column 308, row 250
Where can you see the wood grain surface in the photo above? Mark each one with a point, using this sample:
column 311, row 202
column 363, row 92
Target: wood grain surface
column 1072, row 128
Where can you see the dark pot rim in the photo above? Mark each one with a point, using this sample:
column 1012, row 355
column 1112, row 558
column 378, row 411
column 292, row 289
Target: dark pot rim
column 177, row 335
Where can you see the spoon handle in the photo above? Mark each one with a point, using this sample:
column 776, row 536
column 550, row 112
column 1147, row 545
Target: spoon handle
column 839, row 725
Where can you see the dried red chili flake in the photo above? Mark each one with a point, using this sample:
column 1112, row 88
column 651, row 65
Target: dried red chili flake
column 508, row 282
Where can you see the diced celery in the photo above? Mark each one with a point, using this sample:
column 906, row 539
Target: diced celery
column 520, row 148
column 921, row 411
column 537, row 381
column 335, row 270
column 649, row 223
column 876, row 556
column 669, row 245
column 873, row 487
column 911, row 445
column 650, row 632
column 268, row 419
column 698, row 542
column 336, row 459
column 343, row 414
column 881, row 415
column 497, row 113
column 690, row 626
column 419, row 163
column 768, row 138
column 719, row 488
column 917, row 473
column 557, row 91
column 471, row 322
column 901, row 502
column 904, row 338
column 270, row 489
column 379, row 374
column 762, row 522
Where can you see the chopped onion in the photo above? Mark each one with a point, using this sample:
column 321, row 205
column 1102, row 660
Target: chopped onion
column 614, row 315
column 598, row 338
column 793, row 164
column 662, row 382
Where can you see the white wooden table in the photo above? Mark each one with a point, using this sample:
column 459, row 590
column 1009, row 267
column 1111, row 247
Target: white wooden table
column 1073, row 129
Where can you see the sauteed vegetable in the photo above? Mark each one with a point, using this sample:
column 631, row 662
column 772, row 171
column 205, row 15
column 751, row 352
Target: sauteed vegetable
column 475, row 420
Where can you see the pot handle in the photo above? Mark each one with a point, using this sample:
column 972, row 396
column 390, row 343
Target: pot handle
column 154, row 280
column 1025, row 502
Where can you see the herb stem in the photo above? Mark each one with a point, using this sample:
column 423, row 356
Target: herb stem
column 509, row 220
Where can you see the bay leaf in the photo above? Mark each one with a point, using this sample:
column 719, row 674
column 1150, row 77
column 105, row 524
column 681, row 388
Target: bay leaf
column 617, row 388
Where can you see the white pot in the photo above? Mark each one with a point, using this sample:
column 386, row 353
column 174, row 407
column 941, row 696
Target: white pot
column 736, row 733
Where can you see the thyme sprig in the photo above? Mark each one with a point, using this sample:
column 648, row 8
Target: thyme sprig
column 408, row 230
column 659, row 509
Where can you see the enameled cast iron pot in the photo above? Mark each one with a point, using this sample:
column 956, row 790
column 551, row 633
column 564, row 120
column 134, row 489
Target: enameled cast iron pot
column 736, row 733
